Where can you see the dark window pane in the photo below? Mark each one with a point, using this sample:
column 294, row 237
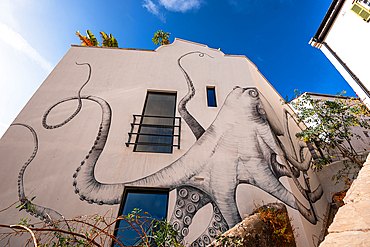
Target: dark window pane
column 211, row 96
column 159, row 111
column 152, row 202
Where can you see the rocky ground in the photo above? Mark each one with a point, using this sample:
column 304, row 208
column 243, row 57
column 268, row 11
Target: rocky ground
column 351, row 225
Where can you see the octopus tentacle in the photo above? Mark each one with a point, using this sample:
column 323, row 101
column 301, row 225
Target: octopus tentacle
column 317, row 193
column 111, row 192
column 85, row 183
column 40, row 212
column 193, row 124
column 293, row 170
column 280, row 170
column 270, row 152
column 311, row 197
column 189, row 200
column 46, row 126
column 304, row 164
column 307, row 213
column 216, row 225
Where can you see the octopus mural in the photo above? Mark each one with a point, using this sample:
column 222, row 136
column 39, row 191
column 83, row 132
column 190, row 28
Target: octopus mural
column 226, row 154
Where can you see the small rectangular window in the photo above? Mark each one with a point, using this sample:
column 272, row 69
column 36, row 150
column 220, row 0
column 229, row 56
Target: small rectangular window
column 153, row 201
column 211, row 97
column 361, row 10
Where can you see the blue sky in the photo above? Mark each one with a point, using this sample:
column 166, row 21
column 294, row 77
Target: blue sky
column 273, row 34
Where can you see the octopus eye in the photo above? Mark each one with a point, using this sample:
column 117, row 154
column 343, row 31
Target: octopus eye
column 253, row 93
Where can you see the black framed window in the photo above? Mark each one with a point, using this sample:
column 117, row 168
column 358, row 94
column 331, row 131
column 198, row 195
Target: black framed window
column 150, row 200
column 211, row 97
column 156, row 130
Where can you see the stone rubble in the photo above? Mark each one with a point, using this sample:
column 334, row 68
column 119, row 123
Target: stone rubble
column 351, row 225
column 252, row 231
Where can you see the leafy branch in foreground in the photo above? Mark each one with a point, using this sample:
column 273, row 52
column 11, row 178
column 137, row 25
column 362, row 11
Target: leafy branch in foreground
column 149, row 230
column 92, row 230
column 27, row 204
column 331, row 127
column 88, row 230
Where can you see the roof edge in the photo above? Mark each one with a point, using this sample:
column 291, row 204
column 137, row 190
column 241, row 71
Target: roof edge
column 163, row 46
column 330, row 96
column 191, row 42
column 327, row 23
column 119, row 48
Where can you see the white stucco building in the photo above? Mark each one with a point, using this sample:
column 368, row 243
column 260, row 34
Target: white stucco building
column 343, row 37
column 204, row 131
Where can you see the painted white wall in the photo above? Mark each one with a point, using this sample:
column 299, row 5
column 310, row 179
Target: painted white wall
column 122, row 77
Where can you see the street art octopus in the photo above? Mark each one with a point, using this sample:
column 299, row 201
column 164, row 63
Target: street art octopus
column 240, row 146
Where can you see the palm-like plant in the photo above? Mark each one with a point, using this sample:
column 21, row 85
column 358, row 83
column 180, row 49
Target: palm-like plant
column 108, row 41
column 161, row 38
column 90, row 40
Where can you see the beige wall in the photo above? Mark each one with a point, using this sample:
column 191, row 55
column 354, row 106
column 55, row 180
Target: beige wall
column 235, row 146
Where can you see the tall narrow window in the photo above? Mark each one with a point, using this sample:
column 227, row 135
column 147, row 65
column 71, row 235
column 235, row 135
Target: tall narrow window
column 148, row 200
column 211, row 97
column 156, row 129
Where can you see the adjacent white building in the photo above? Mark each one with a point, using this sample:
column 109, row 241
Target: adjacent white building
column 343, row 36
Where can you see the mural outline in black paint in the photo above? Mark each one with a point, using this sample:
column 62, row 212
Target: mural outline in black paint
column 261, row 139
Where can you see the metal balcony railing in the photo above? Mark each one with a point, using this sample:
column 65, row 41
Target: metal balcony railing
column 154, row 123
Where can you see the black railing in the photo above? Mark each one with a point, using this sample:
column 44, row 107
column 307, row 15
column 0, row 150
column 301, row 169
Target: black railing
column 138, row 123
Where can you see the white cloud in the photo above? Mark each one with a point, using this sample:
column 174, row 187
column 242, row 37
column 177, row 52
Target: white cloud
column 4, row 125
column 180, row 5
column 171, row 5
column 15, row 40
column 153, row 8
